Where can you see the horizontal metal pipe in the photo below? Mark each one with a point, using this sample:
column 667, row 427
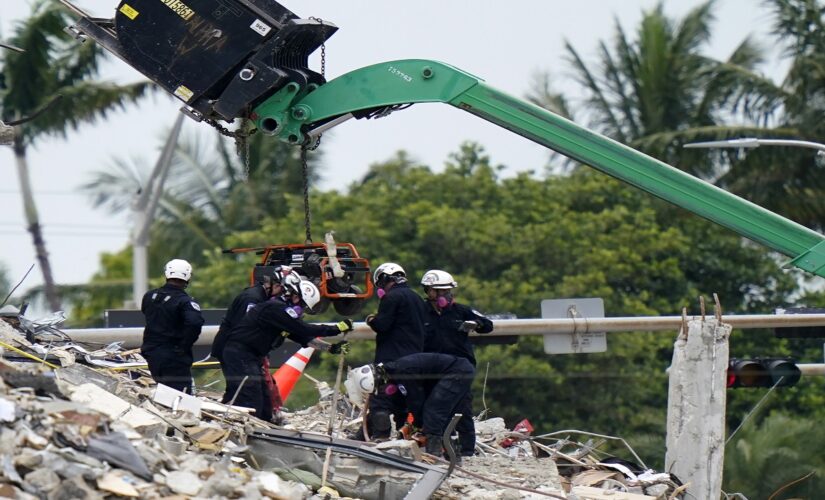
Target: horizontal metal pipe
column 812, row 369
column 132, row 336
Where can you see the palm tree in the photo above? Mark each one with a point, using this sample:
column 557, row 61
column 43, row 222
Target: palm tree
column 50, row 82
column 209, row 192
column 787, row 180
column 657, row 91
column 776, row 456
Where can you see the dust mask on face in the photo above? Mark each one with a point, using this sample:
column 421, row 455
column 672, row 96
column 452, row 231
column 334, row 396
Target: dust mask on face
column 444, row 301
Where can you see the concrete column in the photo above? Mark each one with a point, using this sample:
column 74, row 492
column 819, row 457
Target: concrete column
column 696, row 407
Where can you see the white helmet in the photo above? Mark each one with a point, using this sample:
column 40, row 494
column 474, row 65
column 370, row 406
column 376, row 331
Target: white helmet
column 360, row 381
column 290, row 281
column 438, row 279
column 309, row 293
column 178, row 269
column 388, row 269
column 363, row 378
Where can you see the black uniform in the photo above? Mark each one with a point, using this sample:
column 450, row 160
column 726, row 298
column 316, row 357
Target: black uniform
column 399, row 325
column 435, row 385
column 173, row 324
column 240, row 306
column 400, row 328
column 263, row 328
column 445, row 336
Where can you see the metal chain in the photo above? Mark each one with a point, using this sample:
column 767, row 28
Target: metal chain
column 305, row 173
column 306, row 147
column 241, row 141
column 323, row 45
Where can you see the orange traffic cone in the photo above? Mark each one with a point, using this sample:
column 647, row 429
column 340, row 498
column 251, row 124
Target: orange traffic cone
column 289, row 373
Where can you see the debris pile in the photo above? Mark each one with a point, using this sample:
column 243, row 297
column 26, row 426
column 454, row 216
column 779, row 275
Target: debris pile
column 71, row 427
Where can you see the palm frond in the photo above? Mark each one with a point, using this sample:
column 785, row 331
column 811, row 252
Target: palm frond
column 82, row 103
column 115, row 188
column 600, row 105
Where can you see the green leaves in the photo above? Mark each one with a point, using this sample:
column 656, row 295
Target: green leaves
column 55, row 65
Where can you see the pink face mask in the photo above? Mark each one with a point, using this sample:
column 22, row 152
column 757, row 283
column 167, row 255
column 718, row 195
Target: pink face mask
column 380, row 292
column 443, row 301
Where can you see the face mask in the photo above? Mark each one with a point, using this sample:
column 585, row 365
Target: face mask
column 380, row 292
column 444, row 300
column 298, row 310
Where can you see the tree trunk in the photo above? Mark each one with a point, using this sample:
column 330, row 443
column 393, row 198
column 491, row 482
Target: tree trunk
column 6, row 134
column 33, row 223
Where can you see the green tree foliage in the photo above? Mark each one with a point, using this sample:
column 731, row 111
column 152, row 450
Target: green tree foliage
column 775, row 459
column 657, row 90
column 787, row 180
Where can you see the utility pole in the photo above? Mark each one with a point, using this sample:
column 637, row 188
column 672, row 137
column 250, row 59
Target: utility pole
column 143, row 209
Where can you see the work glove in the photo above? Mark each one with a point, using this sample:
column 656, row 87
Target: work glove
column 467, row 326
column 345, row 325
column 339, row 348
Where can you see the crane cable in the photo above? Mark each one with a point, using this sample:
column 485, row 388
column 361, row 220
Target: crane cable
column 305, row 147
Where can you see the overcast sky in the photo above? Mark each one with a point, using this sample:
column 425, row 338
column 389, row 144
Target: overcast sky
column 504, row 43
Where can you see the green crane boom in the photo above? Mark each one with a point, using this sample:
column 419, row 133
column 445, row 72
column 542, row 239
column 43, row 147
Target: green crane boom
column 222, row 66
column 296, row 115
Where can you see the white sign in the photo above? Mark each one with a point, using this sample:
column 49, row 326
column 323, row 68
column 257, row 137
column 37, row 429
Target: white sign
column 581, row 340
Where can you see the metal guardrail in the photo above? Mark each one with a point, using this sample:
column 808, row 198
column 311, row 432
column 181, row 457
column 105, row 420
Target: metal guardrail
column 516, row 327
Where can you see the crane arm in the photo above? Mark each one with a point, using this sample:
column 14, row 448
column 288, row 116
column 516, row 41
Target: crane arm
column 296, row 114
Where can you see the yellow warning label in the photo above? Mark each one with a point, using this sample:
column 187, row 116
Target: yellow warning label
column 179, row 8
column 128, row 11
column 184, row 93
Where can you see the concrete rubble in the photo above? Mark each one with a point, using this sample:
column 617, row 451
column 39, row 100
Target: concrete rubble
column 71, row 428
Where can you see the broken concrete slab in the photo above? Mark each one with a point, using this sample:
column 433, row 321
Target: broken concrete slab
column 184, row 483
column 8, row 411
column 116, row 408
column 115, row 483
column 78, row 374
column 177, row 400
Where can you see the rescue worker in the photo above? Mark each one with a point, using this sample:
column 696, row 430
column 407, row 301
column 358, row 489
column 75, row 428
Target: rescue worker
column 450, row 324
column 400, row 329
column 267, row 287
column 265, row 327
column 435, row 385
column 173, row 324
